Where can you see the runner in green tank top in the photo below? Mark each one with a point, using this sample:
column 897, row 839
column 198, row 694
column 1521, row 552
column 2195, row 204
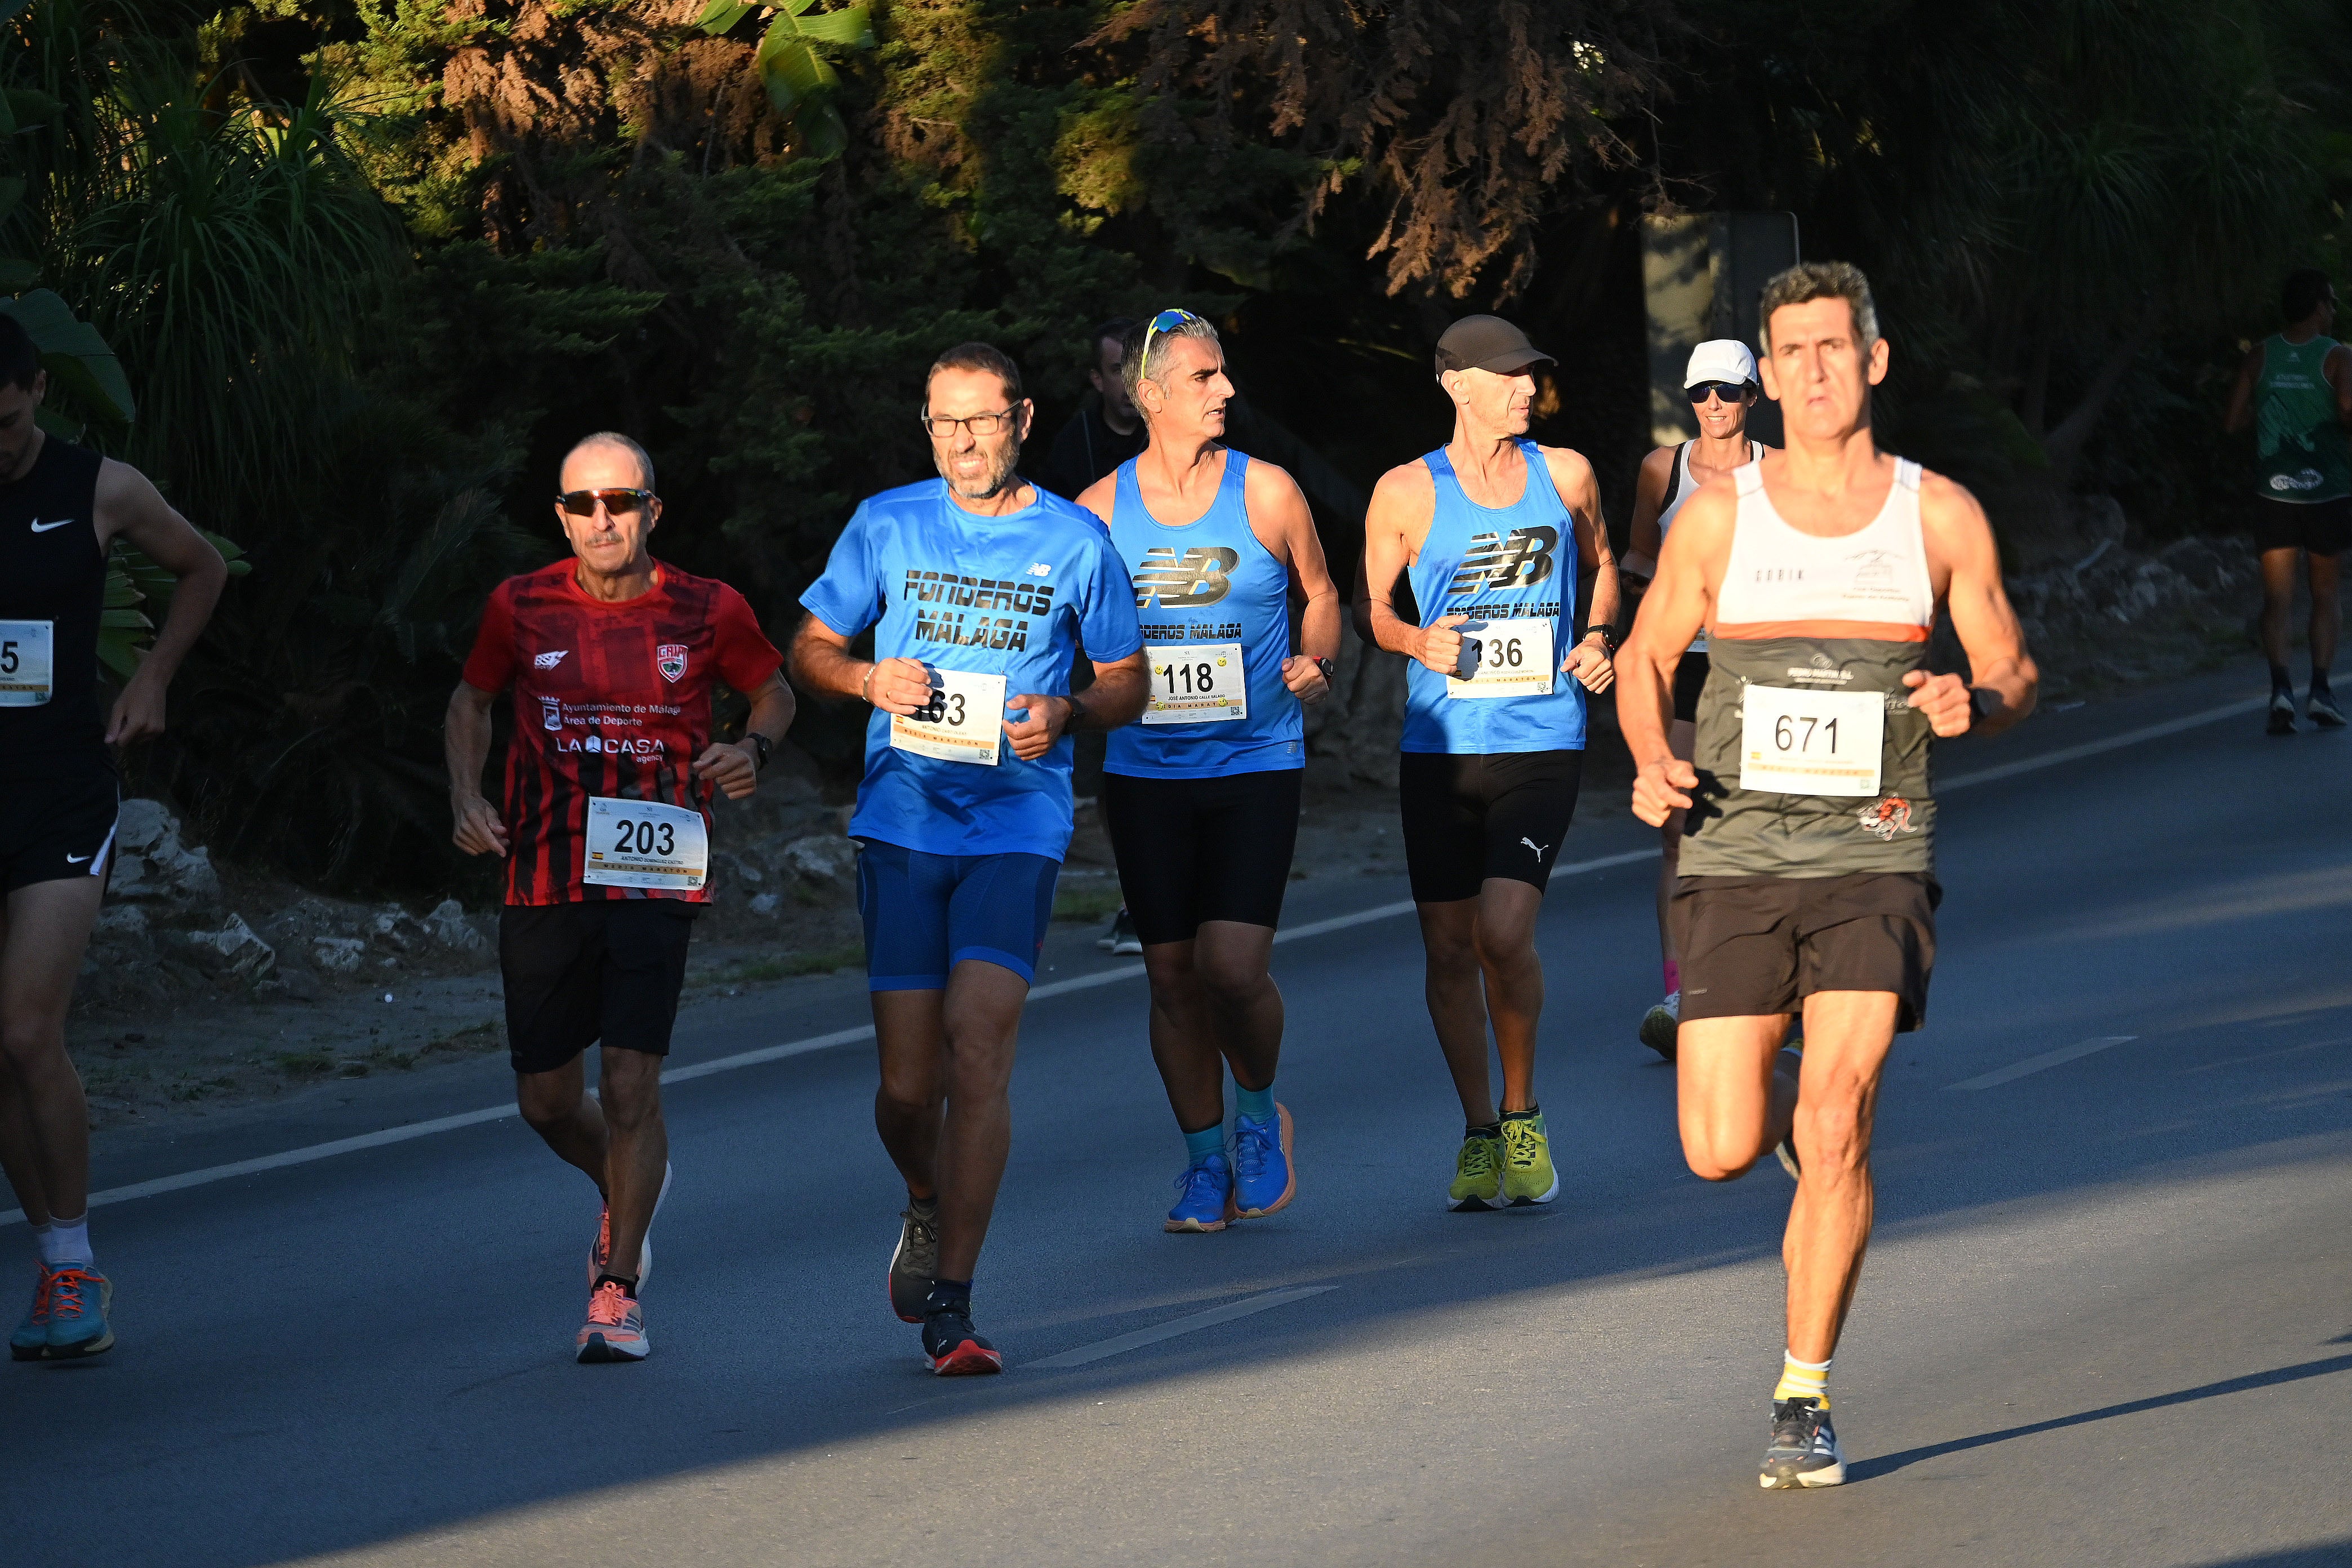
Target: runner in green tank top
column 2296, row 389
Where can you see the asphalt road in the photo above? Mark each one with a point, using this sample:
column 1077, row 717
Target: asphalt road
column 2107, row 1318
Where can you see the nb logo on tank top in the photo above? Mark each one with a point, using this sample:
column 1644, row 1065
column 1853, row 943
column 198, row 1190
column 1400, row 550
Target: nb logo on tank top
column 1521, row 560
column 1198, row 578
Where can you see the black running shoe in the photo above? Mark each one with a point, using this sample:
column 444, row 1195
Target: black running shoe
column 2321, row 709
column 917, row 1260
column 2282, row 713
column 1804, row 1449
column 954, row 1347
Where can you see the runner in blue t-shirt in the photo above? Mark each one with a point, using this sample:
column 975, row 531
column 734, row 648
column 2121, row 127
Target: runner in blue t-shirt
column 1494, row 532
column 1202, row 797
column 980, row 588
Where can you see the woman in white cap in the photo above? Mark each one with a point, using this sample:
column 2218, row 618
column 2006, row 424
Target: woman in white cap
column 1721, row 382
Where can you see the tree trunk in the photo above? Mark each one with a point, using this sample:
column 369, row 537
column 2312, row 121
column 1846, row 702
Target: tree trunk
column 2064, row 445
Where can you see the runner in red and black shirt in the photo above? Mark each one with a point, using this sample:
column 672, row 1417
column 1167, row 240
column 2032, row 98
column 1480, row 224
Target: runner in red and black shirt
column 612, row 657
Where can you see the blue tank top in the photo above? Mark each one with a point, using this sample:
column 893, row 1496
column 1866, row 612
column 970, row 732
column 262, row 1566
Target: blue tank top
column 1207, row 585
column 1496, row 563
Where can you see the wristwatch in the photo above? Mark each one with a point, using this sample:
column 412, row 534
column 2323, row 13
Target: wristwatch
column 761, row 747
column 1329, row 668
column 1608, row 639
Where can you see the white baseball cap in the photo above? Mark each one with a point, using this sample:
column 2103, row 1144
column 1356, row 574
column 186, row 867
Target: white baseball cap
column 1720, row 359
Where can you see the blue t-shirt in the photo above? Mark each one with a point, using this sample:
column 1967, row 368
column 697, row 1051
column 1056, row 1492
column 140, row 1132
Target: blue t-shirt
column 1496, row 563
column 1208, row 584
column 1010, row 595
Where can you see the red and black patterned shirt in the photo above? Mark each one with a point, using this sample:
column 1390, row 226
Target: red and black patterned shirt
column 609, row 699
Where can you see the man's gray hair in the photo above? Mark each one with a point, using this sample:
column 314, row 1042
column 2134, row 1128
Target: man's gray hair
column 615, row 438
column 1138, row 364
column 1820, row 280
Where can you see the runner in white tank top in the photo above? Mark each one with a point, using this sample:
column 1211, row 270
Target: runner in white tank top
column 1721, row 382
column 1808, row 872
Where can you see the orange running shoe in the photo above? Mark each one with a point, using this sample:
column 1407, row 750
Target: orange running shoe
column 615, row 1328
column 600, row 1251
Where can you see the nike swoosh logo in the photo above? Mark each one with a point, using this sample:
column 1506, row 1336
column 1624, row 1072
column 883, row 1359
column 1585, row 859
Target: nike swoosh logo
column 76, row 859
column 44, row 527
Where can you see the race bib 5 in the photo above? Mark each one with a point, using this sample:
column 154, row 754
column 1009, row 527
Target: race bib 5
column 1811, row 742
column 1197, row 684
column 25, row 661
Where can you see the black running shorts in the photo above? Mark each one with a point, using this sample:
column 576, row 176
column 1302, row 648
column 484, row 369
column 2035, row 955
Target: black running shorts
column 1468, row 818
column 2323, row 527
column 60, row 825
column 1202, row 850
column 1753, row 946
column 577, row 975
column 1690, row 680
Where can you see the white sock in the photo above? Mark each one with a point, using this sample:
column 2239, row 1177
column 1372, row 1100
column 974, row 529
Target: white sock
column 67, row 1242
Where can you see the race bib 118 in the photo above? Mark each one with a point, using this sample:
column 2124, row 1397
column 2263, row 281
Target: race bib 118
column 1197, row 684
column 25, row 662
column 1503, row 658
column 964, row 721
column 644, row 844
column 1811, row 742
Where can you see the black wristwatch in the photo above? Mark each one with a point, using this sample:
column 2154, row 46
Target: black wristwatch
column 761, row 747
column 1329, row 668
column 1608, row 639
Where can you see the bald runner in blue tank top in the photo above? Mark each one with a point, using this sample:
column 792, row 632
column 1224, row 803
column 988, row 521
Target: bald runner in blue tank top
column 1496, row 563
column 1203, row 587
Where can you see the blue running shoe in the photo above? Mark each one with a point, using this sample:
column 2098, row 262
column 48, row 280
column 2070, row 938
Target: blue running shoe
column 31, row 1340
column 1264, row 1179
column 79, row 1299
column 1204, row 1200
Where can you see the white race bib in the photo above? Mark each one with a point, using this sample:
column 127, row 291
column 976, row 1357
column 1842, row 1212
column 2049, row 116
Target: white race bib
column 1511, row 658
column 964, row 723
column 25, row 648
column 1197, row 684
column 644, row 844
column 1811, row 742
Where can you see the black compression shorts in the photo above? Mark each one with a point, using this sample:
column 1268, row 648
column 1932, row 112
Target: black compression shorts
column 61, row 824
column 1468, row 818
column 1754, row 946
column 1202, row 850
column 2324, row 528
column 1690, row 680
column 580, row 974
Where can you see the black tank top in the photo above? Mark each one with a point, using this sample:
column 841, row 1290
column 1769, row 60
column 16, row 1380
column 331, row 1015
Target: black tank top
column 52, row 570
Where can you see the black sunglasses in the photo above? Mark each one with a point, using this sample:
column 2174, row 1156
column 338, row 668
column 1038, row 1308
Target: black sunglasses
column 1729, row 391
column 617, row 502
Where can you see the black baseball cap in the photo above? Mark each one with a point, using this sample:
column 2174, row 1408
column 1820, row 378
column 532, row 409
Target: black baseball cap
column 1487, row 342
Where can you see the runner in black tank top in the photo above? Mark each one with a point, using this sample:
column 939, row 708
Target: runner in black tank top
column 1808, row 879
column 61, row 509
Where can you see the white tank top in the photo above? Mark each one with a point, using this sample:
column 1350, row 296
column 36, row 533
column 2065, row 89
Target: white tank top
column 1684, row 486
column 1781, row 582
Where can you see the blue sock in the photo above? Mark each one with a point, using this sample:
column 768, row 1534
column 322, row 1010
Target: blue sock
column 1257, row 1104
column 1199, row 1146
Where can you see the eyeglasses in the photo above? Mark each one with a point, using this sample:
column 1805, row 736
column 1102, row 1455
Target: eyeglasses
column 939, row 427
column 1729, row 391
column 1166, row 322
column 617, row 502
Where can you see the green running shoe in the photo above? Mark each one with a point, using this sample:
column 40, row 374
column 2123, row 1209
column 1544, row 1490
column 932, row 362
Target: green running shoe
column 1477, row 1176
column 1528, row 1173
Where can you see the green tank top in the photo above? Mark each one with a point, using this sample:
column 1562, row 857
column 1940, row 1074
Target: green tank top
column 2302, row 451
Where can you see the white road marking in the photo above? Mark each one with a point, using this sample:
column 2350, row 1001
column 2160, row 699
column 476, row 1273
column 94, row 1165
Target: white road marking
column 1169, row 1331
column 2030, row 1065
column 1063, row 987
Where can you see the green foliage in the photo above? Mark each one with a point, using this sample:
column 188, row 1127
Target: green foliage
column 790, row 63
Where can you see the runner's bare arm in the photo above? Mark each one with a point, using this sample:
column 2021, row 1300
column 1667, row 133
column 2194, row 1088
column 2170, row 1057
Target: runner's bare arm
column 1121, row 690
column 822, row 663
column 1961, row 538
column 1283, row 522
column 1588, row 660
column 2242, row 392
column 1640, row 560
column 129, row 507
column 1403, row 505
column 734, row 765
column 466, row 742
column 1672, row 612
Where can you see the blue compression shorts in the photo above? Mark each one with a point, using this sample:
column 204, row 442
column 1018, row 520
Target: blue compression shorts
column 925, row 914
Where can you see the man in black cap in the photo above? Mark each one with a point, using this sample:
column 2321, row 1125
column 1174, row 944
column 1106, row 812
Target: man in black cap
column 1492, row 531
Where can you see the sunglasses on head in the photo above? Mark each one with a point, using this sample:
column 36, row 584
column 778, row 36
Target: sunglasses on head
column 1729, row 391
column 617, row 502
column 1166, row 322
